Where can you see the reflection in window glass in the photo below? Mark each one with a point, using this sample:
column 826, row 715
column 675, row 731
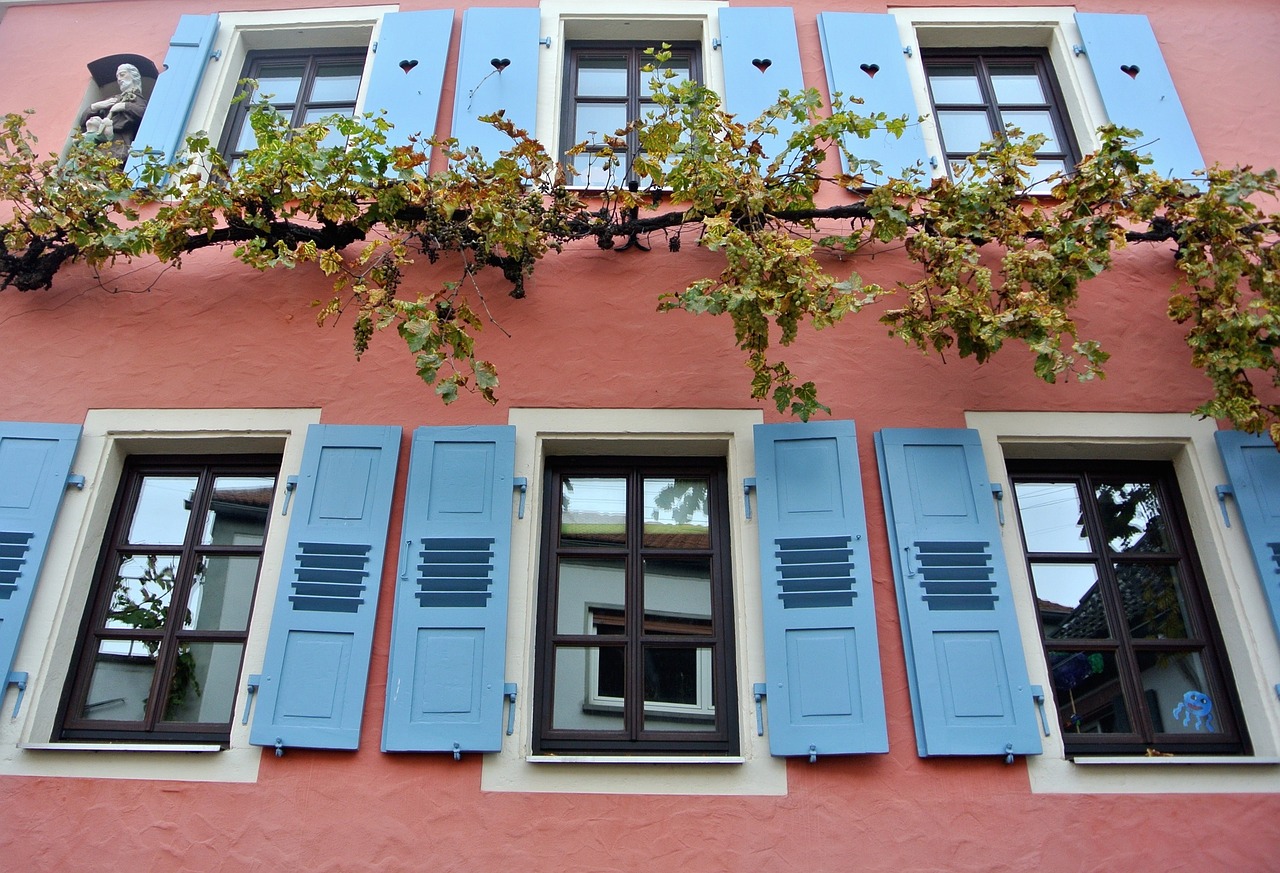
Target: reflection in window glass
column 1177, row 693
column 1069, row 601
column 593, row 511
column 163, row 510
column 1131, row 517
column 1052, row 517
column 1086, row 686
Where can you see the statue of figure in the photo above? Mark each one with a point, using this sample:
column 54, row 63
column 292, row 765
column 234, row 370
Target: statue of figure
column 115, row 119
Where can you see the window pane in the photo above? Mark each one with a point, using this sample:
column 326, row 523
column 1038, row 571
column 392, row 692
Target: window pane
column 336, row 82
column 593, row 511
column 954, row 84
column 1042, row 171
column 1052, row 520
column 121, row 680
column 1177, row 693
column 1017, row 84
column 677, row 689
column 964, row 130
column 1033, row 121
column 141, row 594
column 588, row 693
column 280, row 82
column 334, row 138
column 675, row 514
column 598, row 120
column 587, row 586
column 1086, row 686
column 1132, row 520
column 238, row 512
column 1153, row 602
column 677, row 596
column 163, row 510
column 679, row 66
column 248, row 139
column 203, row 688
column 222, row 596
column 1069, row 601
column 602, row 77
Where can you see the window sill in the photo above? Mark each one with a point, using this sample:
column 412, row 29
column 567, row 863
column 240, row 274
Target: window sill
column 633, row 759
column 1173, row 760
column 122, row 747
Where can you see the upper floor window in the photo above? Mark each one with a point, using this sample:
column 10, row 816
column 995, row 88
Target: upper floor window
column 303, row 86
column 164, row 635
column 1131, row 644
column 979, row 96
column 635, row 643
column 606, row 87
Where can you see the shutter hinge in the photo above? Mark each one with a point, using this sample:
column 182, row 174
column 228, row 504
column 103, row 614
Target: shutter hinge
column 251, row 686
column 1037, row 694
column 374, row 48
column 215, row 55
column 76, row 481
column 1078, row 50
column 509, row 691
column 279, row 747
column 1008, row 753
column 521, row 483
column 715, row 43
column 545, row 42
column 457, row 752
column 20, row 680
column 290, row 486
column 761, row 691
column 1223, row 491
column 813, row 754
column 748, row 485
column 1278, row 691
column 997, row 491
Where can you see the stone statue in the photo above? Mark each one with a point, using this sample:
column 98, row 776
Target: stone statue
column 115, row 119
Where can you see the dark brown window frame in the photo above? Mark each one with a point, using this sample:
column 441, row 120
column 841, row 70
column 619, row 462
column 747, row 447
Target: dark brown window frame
column 238, row 116
column 983, row 59
column 1203, row 638
column 634, row 739
column 93, row 628
column 636, row 58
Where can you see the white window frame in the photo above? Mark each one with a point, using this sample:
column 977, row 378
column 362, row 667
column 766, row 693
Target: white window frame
column 1249, row 642
column 1052, row 28
column 27, row 744
column 543, row 433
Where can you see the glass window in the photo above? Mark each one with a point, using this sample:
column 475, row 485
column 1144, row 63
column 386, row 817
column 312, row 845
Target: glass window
column 1132, row 647
column 606, row 88
column 635, row 647
column 977, row 97
column 167, row 622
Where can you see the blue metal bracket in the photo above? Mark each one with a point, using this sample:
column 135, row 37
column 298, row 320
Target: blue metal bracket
column 1037, row 694
column 279, row 747
column 457, row 752
column 290, row 486
column 748, row 485
column 1078, row 50
column 813, row 754
column 255, row 680
column 545, row 42
column 1008, row 753
column 509, row 691
column 1223, row 491
column 997, row 491
column 761, row 690
column 76, row 481
column 715, row 43
column 19, row 679
column 521, row 483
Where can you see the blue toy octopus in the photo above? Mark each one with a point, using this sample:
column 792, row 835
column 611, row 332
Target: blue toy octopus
column 1198, row 706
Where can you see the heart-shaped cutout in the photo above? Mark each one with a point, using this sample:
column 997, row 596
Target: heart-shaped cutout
column 1130, row 70
column 408, row 65
column 869, row 69
column 500, row 64
column 761, row 64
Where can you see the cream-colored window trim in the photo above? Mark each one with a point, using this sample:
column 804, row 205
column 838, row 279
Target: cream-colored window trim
column 53, row 624
column 542, row 433
column 1237, row 598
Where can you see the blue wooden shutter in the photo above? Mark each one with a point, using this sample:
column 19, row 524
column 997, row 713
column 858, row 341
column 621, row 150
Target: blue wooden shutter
column 448, row 640
column 164, row 124
column 317, row 660
column 34, row 462
column 863, row 56
column 1253, row 465
column 1118, row 46
column 494, row 34
column 751, row 38
column 822, row 659
column 969, row 689
column 407, row 75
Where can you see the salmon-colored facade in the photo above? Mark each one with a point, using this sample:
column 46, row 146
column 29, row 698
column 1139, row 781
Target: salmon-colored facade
column 118, row 350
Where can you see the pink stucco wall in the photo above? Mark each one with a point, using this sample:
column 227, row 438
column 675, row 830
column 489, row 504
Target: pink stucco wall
column 213, row 334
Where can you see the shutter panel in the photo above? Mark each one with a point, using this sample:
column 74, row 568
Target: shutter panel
column 1253, row 466
column 407, row 76
column 863, row 56
column 317, row 660
column 822, row 658
column 1145, row 100
column 34, row 462
column 448, row 641
column 488, row 35
column 969, row 689
column 164, row 125
column 760, row 34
